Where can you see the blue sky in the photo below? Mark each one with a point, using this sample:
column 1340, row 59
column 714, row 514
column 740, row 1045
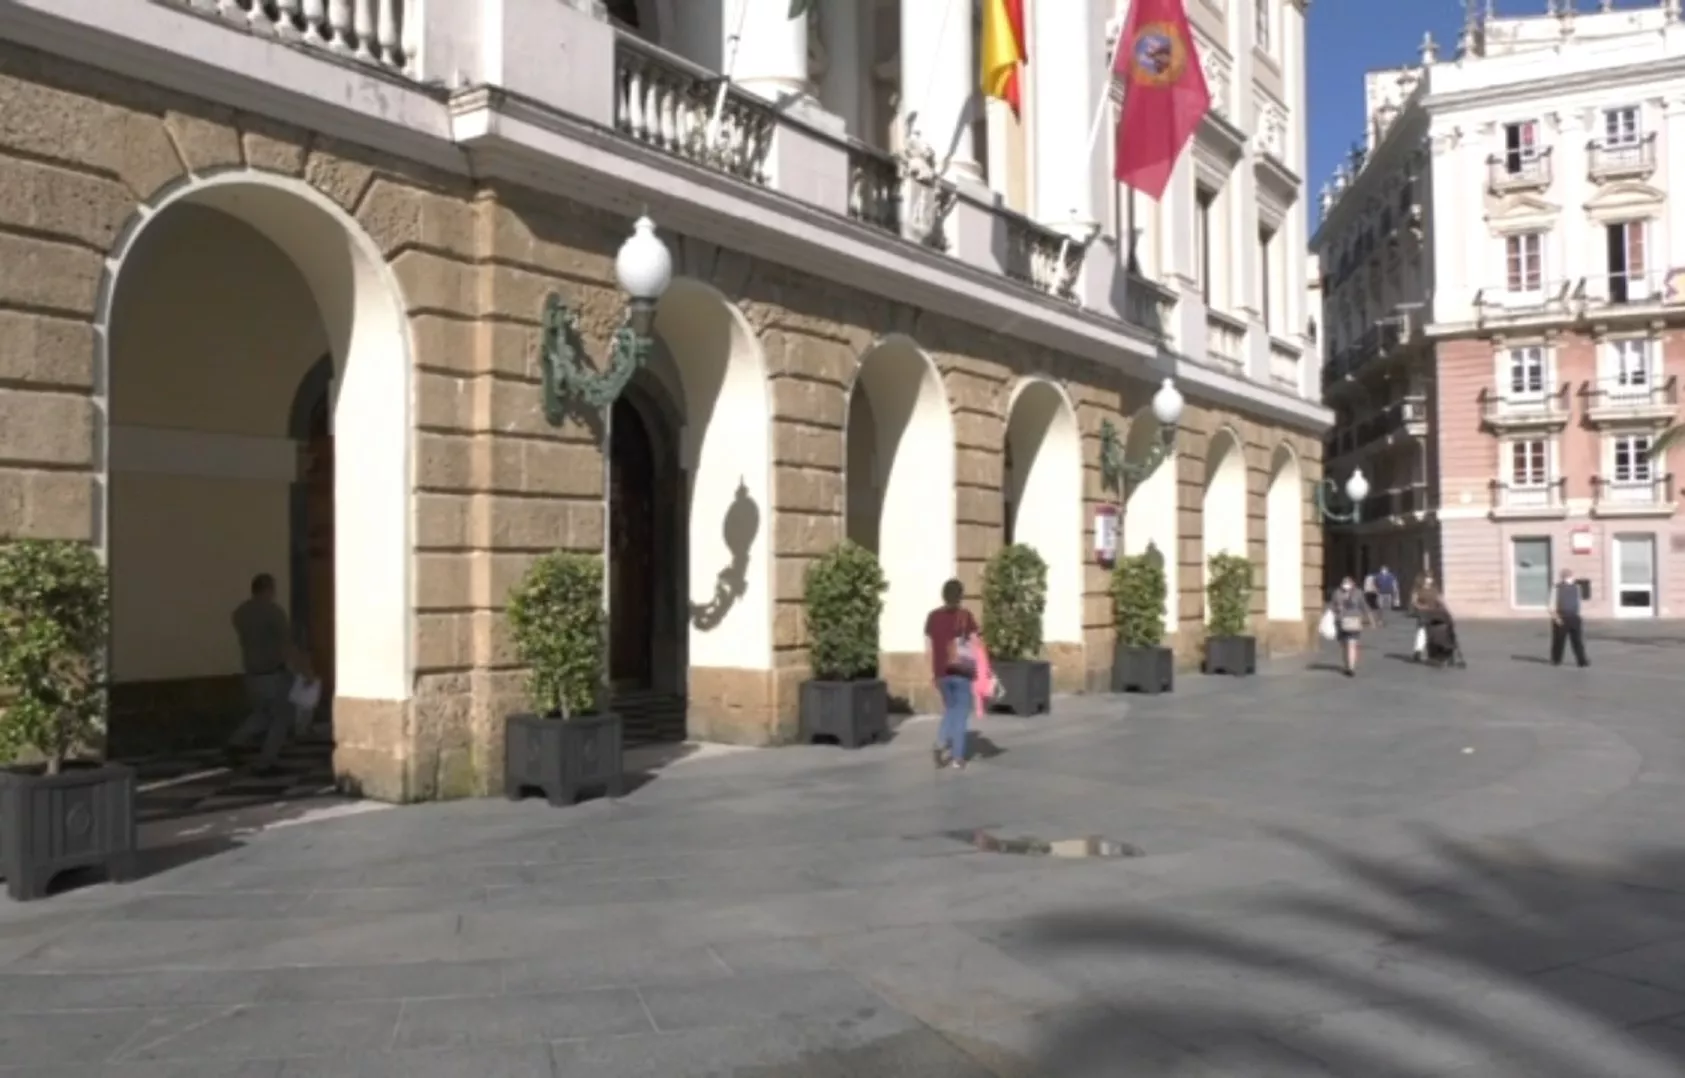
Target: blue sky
column 1345, row 38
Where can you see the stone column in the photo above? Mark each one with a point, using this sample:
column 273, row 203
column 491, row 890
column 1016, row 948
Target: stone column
column 940, row 80
column 772, row 53
column 1067, row 85
column 840, row 90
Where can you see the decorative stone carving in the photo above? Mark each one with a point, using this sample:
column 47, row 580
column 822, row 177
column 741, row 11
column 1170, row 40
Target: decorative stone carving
column 1219, row 72
column 1271, row 123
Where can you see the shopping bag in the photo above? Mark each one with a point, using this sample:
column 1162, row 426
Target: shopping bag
column 305, row 695
column 1327, row 628
column 1421, row 640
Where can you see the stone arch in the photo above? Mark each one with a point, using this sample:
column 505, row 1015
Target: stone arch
column 363, row 317
column 1152, row 512
column 1223, row 507
column 1043, row 488
column 725, row 450
column 1284, row 527
column 900, row 475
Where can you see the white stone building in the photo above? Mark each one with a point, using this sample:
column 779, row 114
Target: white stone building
column 272, row 277
column 1503, row 315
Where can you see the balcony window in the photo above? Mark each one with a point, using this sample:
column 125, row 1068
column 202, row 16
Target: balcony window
column 1625, row 244
column 1266, row 284
column 1629, row 370
column 1521, row 147
column 1261, row 23
column 1526, row 381
column 1630, row 460
column 1621, row 128
column 1524, row 261
column 1529, row 464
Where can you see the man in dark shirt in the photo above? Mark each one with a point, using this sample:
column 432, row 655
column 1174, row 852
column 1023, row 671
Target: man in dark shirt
column 1565, row 624
column 950, row 630
column 266, row 652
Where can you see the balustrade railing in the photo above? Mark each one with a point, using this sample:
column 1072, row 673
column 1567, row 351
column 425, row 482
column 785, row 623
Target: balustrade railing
column 1550, row 496
column 1636, row 492
column 1284, row 365
column 874, row 187
column 667, row 102
column 371, row 31
column 1044, row 259
column 1609, row 160
column 1148, row 304
column 1225, row 342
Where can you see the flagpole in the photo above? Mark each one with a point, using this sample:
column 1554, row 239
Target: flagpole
column 1100, row 110
column 735, row 42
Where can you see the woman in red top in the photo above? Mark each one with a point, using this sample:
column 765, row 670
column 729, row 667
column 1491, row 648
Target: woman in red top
column 952, row 632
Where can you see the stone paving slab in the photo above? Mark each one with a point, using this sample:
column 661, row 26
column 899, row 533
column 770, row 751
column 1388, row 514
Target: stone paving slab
column 1414, row 873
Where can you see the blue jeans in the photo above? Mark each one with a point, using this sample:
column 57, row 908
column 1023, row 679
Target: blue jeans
column 957, row 703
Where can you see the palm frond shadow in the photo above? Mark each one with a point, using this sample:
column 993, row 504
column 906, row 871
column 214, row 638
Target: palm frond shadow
column 1473, row 960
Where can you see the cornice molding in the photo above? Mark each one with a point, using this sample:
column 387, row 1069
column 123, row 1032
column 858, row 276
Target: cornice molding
column 1555, row 87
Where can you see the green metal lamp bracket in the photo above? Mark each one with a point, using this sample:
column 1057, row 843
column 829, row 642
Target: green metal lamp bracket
column 568, row 378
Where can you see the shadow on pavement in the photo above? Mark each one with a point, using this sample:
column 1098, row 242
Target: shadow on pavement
column 1486, row 961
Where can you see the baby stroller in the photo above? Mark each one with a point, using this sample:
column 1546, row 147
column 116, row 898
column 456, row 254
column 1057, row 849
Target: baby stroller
column 1440, row 632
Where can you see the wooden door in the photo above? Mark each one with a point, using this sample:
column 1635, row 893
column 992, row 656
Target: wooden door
column 632, row 537
column 319, row 549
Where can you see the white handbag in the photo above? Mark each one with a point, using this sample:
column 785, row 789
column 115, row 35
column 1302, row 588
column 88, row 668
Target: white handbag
column 305, row 695
column 1327, row 628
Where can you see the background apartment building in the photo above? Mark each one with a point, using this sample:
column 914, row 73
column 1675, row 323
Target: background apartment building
column 1502, row 316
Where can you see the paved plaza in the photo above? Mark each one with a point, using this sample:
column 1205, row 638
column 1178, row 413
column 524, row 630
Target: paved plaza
column 1473, row 873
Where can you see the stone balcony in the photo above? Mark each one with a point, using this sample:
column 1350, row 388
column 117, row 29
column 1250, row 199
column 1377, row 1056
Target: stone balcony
column 668, row 103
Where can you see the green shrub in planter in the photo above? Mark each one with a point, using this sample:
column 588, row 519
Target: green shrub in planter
column 844, row 699
column 559, row 628
column 1228, row 594
column 1014, row 605
column 54, row 623
column 843, row 593
column 1139, row 598
column 1140, row 661
column 557, row 623
column 58, row 811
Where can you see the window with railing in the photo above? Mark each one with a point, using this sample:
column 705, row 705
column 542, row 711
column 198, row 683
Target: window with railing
column 1521, row 146
column 1625, row 244
column 1524, row 261
column 1527, row 370
column 1629, row 369
column 1629, row 459
column 1621, row 127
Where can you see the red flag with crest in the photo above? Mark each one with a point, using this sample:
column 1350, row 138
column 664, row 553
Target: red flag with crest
column 1164, row 94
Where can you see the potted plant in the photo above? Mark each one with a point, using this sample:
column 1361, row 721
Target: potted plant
column 59, row 810
column 845, row 699
column 1014, row 602
column 1229, row 649
column 570, row 741
column 1140, row 661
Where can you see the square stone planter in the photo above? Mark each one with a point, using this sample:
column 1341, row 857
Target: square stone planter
column 1026, row 686
column 562, row 760
column 1236, row 656
column 1144, row 670
column 83, row 817
column 854, row 712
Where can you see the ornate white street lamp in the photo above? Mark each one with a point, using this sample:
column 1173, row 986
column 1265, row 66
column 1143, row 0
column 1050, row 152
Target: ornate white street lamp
column 644, row 269
column 1357, row 489
column 1115, row 467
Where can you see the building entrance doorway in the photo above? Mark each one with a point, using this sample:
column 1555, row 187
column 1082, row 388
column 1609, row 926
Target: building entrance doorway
column 647, row 552
column 1635, row 576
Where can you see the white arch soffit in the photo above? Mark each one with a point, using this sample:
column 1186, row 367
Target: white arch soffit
column 1152, row 514
column 1223, row 517
column 1284, row 529
column 915, row 456
column 360, row 303
column 1047, row 499
column 727, row 446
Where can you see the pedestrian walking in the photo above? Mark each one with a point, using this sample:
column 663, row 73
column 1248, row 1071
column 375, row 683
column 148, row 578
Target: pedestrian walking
column 1565, row 624
column 952, row 635
column 1372, row 593
column 1387, row 587
column 1350, row 612
column 267, row 658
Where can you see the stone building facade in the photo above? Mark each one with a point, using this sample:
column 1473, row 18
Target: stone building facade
column 205, row 308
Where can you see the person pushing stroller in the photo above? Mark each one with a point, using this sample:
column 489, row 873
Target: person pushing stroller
column 1436, row 631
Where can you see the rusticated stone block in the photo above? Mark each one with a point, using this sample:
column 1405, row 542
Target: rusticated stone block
column 48, row 352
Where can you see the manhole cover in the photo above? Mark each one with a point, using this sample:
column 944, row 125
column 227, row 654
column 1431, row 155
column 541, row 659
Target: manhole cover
column 1031, row 846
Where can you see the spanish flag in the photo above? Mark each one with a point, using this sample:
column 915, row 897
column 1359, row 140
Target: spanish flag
column 1003, row 51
